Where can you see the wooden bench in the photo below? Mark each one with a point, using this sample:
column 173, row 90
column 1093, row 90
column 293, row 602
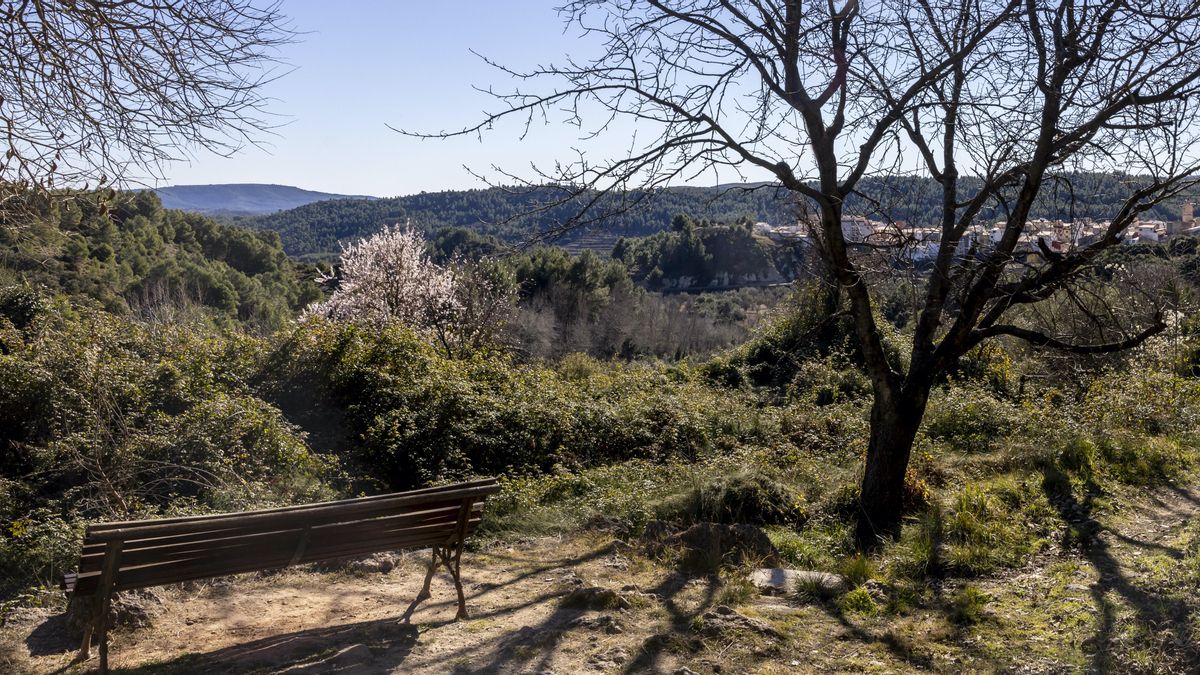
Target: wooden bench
column 121, row 556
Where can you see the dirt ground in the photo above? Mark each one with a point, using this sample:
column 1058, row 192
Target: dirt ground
column 1116, row 603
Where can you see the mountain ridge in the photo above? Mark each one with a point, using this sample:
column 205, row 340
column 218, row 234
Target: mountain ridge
column 243, row 199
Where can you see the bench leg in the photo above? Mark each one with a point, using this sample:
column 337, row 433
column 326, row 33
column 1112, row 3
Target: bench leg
column 112, row 562
column 424, row 594
column 85, row 649
column 462, row 600
column 433, row 562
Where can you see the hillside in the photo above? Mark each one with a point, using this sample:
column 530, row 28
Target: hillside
column 515, row 215
column 316, row 229
column 241, row 198
column 135, row 257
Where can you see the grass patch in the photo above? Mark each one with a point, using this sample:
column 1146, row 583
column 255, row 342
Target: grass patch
column 968, row 605
column 860, row 602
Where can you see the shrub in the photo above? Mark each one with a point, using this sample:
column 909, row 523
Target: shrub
column 746, row 497
column 857, row 570
column 968, row 605
column 797, row 550
column 858, row 601
column 969, row 418
column 982, row 534
column 20, row 305
column 828, row 381
column 918, row 553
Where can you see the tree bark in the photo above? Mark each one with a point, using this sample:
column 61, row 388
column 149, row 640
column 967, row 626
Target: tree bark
column 894, row 424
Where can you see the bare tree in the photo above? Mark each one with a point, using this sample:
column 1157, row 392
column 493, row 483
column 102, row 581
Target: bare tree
column 93, row 92
column 1016, row 95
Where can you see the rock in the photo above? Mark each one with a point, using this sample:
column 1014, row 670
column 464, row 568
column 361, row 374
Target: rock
column 657, row 532
column 594, row 597
column 782, row 581
column 617, row 561
column 604, row 622
column 376, row 563
column 608, row 659
column 877, row 590
column 128, row 609
column 712, row 545
column 722, row 619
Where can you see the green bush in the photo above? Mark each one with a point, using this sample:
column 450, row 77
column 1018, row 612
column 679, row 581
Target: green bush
column 858, row 601
column 970, row 418
column 968, row 605
column 416, row 416
column 105, row 418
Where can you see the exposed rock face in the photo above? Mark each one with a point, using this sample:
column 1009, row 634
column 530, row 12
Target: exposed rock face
column 608, row 659
column 604, row 622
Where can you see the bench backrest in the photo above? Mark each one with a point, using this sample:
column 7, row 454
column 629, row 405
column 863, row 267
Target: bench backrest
column 171, row 550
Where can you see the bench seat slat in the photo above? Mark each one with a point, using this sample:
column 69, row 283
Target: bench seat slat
column 140, row 551
column 286, row 520
column 360, row 505
column 445, row 489
column 157, row 575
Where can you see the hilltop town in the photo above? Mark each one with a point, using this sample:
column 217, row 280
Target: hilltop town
column 919, row 244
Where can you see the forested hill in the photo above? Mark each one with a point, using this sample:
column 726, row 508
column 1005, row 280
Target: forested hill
column 134, row 256
column 241, row 198
column 314, row 230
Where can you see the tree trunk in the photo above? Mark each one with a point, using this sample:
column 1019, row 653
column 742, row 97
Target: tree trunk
column 894, row 424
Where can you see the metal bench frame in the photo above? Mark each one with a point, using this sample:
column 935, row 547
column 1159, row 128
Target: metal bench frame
column 138, row 554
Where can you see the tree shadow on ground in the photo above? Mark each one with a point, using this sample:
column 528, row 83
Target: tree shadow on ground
column 533, row 648
column 1164, row 619
column 369, row 646
column 51, row 637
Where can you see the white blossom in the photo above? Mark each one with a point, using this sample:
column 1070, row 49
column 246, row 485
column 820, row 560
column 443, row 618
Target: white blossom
column 389, row 278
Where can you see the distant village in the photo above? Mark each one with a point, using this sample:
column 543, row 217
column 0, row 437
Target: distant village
column 923, row 243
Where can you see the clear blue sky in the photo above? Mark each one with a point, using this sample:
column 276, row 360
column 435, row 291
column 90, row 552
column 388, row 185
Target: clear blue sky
column 364, row 64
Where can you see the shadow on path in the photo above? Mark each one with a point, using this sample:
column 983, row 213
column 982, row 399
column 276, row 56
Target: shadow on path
column 1165, row 619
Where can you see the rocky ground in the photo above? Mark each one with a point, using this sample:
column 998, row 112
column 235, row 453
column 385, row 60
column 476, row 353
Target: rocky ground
column 1120, row 595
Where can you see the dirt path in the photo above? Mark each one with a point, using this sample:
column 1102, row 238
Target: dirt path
column 1118, row 596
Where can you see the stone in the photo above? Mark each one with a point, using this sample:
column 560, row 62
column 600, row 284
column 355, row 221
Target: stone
column 376, row 563
column 608, row 659
column 595, row 597
column 876, row 589
column 604, row 622
column 783, row 581
column 722, row 619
